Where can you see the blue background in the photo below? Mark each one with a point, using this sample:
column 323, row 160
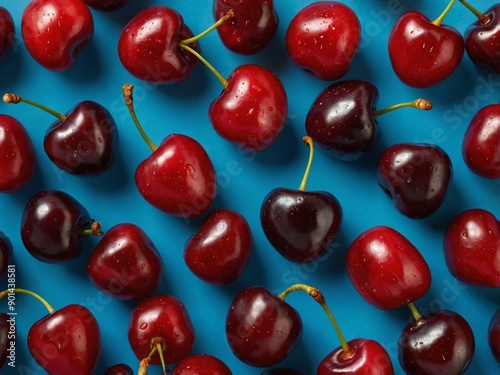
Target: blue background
column 245, row 180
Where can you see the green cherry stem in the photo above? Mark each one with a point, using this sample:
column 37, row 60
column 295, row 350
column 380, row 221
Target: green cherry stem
column 414, row 311
column 438, row 21
column 319, row 298
column 15, row 99
column 29, row 292
column 157, row 345
column 94, row 230
column 219, row 76
column 308, row 141
column 221, row 20
column 481, row 16
column 419, row 103
column 128, row 90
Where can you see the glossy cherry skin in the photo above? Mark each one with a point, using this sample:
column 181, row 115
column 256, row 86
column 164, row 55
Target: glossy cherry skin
column 386, row 269
column 85, row 143
column 481, row 143
column 7, row 31
column 341, row 120
column 165, row 317
column 282, row 371
column 17, row 156
column 423, row 54
column 148, row 46
column 472, row 248
column 417, row 177
column 4, row 339
column 178, row 178
column 106, row 5
column 119, row 369
column 55, row 31
column 51, row 226
column 301, row 225
column 6, row 256
column 482, row 41
column 201, row 364
column 67, row 341
column 252, row 109
column 251, row 29
column 323, row 38
column 220, row 250
column 125, row 263
column 440, row 343
column 494, row 335
column 262, row 329
column 368, row 357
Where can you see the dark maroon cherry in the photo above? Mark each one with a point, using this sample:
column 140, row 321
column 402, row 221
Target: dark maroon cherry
column 106, row 5
column 416, row 176
column 4, row 338
column 6, row 256
column 262, row 329
column 201, row 364
column 119, row 369
column 494, row 335
column 7, row 31
column 53, row 225
column 252, row 27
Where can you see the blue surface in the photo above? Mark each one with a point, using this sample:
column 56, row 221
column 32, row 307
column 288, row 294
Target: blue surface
column 245, row 180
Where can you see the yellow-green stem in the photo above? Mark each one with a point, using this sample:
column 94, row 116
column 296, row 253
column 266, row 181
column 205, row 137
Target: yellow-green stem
column 15, row 99
column 94, row 230
column 308, row 141
column 420, row 103
column 320, row 299
column 414, row 311
column 128, row 90
column 481, row 16
column 29, row 292
column 438, row 21
column 221, row 20
column 219, row 76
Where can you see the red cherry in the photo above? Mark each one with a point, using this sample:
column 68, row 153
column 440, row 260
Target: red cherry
column 6, row 256
column 119, row 369
column 7, row 31
column 201, row 364
column 494, row 335
column 323, row 38
column 54, row 31
column 424, row 52
column 220, row 250
column 481, row 143
column 125, row 264
column 386, row 269
column 17, row 156
column 251, row 29
column 106, row 5
column 472, row 248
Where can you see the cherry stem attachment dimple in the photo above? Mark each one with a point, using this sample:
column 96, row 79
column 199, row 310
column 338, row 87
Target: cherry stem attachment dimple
column 308, row 141
column 219, row 22
column 319, row 298
column 414, row 311
column 29, row 292
column 128, row 90
column 219, row 76
column 15, row 99
column 483, row 18
column 438, row 21
column 419, row 103
column 94, row 230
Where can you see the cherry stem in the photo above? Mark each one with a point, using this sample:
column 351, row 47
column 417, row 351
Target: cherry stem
column 94, row 230
column 15, row 99
column 159, row 344
column 29, row 292
column 414, row 311
column 481, row 16
column 440, row 19
column 420, row 103
column 319, row 298
column 219, row 76
column 129, row 101
column 308, row 141
column 221, row 20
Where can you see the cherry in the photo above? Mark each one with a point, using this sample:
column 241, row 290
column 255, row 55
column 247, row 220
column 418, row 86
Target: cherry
column 160, row 331
column 4, row 338
column 66, row 341
column 179, row 177
column 82, row 142
column 119, row 369
column 416, row 176
column 301, row 225
column 323, row 38
column 482, row 38
column 494, row 335
column 220, row 250
column 251, row 29
column 106, row 5
column 261, row 329
column 386, row 269
column 481, row 143
column 17, row 156
column 53, row 225
column 439, row 343
column 7, row 31
column 55, row 31
column 472, row 248
column 424, row 52
column 125, row 264
column 341, row 120
column 201, row 364
column 281, row 371
column 6, row 256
